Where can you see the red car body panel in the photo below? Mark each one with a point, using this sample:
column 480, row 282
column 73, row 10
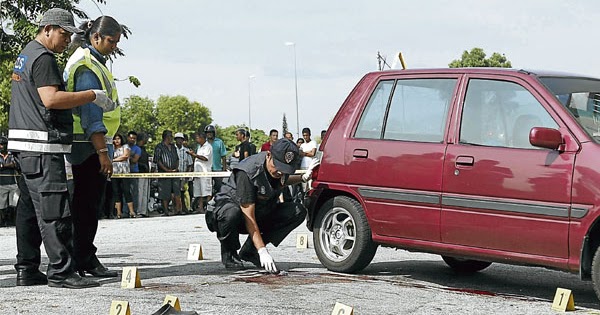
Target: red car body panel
column 509, row 205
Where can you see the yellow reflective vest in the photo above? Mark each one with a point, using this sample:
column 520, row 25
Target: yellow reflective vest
column 112, row 119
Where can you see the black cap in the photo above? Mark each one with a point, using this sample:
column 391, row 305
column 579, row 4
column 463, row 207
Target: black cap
column 62, row 18
column 285, row 156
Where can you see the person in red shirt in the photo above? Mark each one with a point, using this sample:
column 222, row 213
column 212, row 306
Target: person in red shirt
column 273, row 135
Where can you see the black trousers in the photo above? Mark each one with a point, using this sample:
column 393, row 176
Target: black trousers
column 275, row 223
column 43, row 215
column 88, row 196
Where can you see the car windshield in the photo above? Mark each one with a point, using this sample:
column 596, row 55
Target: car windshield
column 582, row 97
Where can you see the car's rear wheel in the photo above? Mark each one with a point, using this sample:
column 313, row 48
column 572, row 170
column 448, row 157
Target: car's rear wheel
column 596, row 272
column 342, row 235
column 465, row 265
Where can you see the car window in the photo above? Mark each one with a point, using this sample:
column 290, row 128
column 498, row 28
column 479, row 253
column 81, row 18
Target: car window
column 416, row 111
column 371, row 121
column 499, row 113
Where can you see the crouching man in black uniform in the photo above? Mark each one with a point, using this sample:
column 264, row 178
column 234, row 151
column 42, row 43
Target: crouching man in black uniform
column 248, row 203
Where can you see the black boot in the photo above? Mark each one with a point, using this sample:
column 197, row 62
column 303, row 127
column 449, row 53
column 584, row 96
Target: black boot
column 230, row 258
column 249, row 253
column 167, row 309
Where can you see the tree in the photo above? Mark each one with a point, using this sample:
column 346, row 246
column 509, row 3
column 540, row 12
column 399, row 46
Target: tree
column 138, row 114
column 284, row 125
column 476, row 58
column 178, row 114
column 227, row 134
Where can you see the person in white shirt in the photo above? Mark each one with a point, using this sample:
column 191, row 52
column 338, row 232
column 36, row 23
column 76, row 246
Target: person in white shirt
column 308, row 149
column 202, row 163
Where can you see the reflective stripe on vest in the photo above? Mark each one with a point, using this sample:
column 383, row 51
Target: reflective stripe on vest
column 39, row 147
column 112, row 119
column 28, row 134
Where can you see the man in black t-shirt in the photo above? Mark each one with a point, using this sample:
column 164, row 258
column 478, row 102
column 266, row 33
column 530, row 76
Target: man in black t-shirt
column 244, row 149
column 248, row 203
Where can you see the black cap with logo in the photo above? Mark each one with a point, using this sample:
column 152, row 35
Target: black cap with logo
column 285, row 156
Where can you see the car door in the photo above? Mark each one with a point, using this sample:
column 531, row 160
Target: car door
column 395, row 156
column 500, row 192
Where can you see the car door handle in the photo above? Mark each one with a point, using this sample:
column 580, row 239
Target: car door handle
column 465, row 160
column 360, row 153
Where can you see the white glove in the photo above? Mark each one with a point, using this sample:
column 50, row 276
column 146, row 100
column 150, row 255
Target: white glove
column 306, row 176
column 103, row 101
column 266, row 260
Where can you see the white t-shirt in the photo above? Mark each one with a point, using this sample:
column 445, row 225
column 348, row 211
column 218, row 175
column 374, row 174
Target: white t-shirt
column 206, row 151
column 307, row 147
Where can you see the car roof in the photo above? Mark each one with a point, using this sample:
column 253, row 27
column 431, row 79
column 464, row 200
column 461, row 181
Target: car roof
column 482, row 70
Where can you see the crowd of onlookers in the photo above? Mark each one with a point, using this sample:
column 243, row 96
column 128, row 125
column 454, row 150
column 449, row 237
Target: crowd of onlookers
column 133, row 197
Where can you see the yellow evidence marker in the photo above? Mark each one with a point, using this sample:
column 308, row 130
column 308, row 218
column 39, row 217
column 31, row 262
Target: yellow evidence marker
column 563, row 300
column 130, row 278
column 173, row 301
column 341, row 309
column 120, row 308
column 302, row 240
column 195, row 252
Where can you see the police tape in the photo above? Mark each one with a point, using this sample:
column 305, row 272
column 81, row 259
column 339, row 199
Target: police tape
column 182, row 174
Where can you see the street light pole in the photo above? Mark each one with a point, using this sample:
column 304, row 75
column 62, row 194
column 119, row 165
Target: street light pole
column 249, row 103
column 296, row 88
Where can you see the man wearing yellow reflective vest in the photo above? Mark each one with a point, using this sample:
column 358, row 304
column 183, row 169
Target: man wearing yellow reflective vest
column 93, row 131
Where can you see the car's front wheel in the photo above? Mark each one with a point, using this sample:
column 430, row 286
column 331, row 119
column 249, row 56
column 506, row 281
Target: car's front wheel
column 342, row 235
column 465, row 265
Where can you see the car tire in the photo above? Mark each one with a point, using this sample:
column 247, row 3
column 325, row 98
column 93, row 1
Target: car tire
column 342, row 236
column 596, row 272
column 465, row 265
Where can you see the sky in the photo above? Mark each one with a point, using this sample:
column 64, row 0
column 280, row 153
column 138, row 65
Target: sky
column 231, row 55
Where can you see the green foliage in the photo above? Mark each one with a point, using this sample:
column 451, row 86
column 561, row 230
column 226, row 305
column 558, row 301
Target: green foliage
column 476, row 58
column 178, row 114
column 284, row 125
column 138, row 114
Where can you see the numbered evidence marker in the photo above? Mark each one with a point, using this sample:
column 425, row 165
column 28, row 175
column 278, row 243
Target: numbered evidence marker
column 195, row 252
column 302, row 240
column 341, row 309
column 173, row 301
column 131, row 278
column 563, row 300
column 119, row 308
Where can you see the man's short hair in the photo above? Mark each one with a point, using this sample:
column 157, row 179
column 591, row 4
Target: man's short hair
column 166, row 133
column 132, row 133
column 306, row 130
column 201, row 135
column 241, row 130
column 273, row 131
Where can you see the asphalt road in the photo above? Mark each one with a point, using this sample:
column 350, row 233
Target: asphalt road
column 396, row 282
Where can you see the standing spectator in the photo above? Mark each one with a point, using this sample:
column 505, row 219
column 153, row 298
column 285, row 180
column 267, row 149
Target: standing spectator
column 219, row 162
column 252, row 146
column 134, row 157
column 186, row 164
column 40, row 106
column 9, row 192
column 288, row 135
column 202, row 163
column 92, row 129
column 273, row 135
column 300, row 142
column 308, row 149
column 167, row 161
column 121, row 186
column 143, row 183
column 243, row 150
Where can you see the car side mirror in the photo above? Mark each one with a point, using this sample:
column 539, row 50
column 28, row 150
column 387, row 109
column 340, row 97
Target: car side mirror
column 546, row 138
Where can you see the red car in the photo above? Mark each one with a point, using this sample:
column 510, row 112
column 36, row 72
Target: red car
column 479, row 165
